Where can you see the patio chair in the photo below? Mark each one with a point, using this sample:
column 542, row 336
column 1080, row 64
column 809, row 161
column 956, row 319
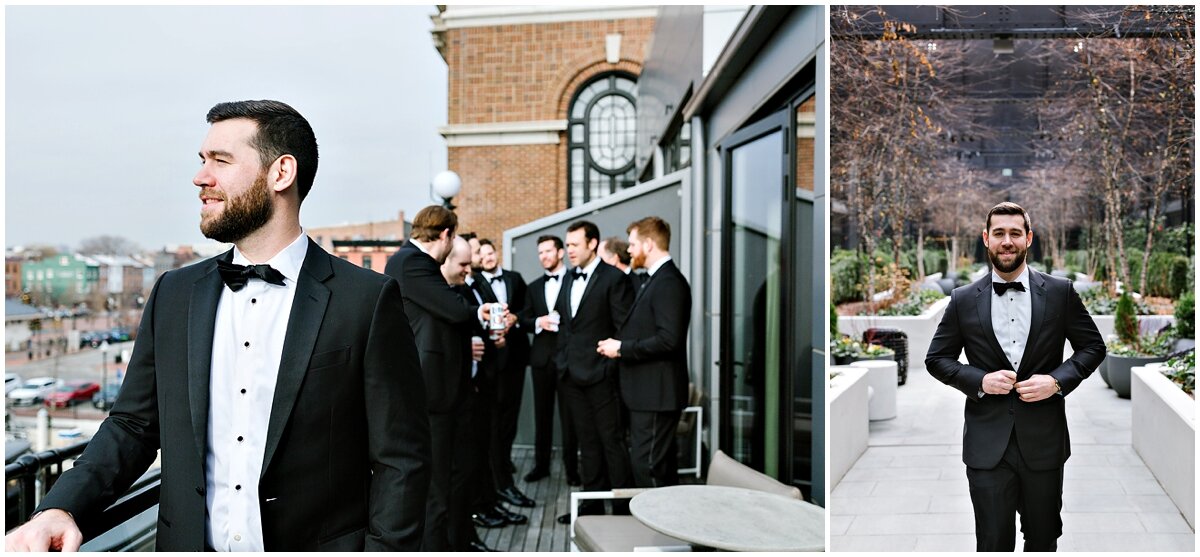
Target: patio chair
column 626, row 533
column 689, row 429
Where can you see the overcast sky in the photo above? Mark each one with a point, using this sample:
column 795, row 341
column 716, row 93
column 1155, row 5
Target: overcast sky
column 104, row 111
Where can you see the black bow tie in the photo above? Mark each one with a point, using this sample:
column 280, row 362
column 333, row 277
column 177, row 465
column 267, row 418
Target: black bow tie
column 236, row 276
column 1002, row 287
column 495, row 279
column 551, row 277
column 580, row 275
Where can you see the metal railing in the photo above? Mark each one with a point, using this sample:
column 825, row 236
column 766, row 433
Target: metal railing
column 34, row 475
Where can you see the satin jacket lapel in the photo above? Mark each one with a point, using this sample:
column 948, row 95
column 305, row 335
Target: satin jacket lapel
column 1037, row 299
column 202, row 320
column 983, row 307
column 308, row 311
column 485, row 289
column 641, row 291
column 590, row 284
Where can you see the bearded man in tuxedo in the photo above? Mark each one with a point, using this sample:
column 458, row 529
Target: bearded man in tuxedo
column 1012, row 324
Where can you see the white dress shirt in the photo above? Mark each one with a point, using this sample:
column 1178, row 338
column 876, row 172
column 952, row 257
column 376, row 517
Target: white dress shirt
column 478, row 300
column 658, row 265
column 1011, row 315
column 550, row 290
column 497, row 286
column 580, row 285
column 247, row 348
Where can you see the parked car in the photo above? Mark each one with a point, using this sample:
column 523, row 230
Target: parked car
column 106, row 396
column 11, row 382
column 69, row 393
column 32, row 392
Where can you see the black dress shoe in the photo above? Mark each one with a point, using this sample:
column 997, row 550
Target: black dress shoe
column 509, row 516
column 536, row 474
column 563, row 518
column 514, row 497
column 478, row 546
column 573, row 479
column 488, row 520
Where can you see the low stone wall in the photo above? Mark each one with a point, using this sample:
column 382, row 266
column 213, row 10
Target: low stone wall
column 848, row 427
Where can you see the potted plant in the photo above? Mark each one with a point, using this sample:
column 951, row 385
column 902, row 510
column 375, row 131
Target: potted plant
column 1185, row 323
column 845, row 350
column 876, row 352
column 1131, row 348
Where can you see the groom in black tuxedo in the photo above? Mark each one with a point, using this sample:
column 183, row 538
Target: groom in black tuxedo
column 1013, row 324
column 281, row 384
column 592, row 303
column 651, row 348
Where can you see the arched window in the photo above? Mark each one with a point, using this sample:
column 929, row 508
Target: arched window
column 601, row 138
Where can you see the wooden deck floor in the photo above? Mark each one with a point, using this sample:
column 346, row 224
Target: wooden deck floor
column 552, row 494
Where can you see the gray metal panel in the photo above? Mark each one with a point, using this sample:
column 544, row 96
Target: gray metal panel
column 793, row 46
column 673, row 64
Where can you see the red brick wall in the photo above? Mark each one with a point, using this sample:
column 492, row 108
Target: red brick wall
column 521, row 73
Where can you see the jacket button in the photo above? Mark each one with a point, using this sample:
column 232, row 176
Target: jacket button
column 199, row 490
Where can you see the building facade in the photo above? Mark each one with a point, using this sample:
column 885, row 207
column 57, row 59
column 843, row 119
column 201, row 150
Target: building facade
column 368, row 254
column 62, row 279
column 12, row 277
column 542, row 106
column 387, row 231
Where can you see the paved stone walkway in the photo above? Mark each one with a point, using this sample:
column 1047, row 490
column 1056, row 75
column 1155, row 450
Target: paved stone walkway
column 908, row 492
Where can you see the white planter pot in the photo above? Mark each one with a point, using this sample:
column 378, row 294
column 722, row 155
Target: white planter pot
column 919, row 328
column 848, row 428
column 1164, row 434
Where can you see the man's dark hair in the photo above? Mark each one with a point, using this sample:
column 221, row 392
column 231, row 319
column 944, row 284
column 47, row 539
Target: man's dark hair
column 431, row 221
column 468, row 236
column 1006, row 208
column 281, row 131
column 590, row 230
column 487, row 242
column 558, row 243
column 618, row 247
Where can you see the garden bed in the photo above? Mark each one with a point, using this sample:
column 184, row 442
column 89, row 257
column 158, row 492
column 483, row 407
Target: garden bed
column 919, row 329
column 1164, row 435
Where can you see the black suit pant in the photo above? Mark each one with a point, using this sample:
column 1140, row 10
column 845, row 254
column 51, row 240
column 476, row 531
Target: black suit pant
column 1012, row 487
column 545, row 391
column 652, row 448
column 510, row 385
column 604, row 457
column 447, row 487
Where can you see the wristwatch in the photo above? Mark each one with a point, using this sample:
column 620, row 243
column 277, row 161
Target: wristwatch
column 1057, row 387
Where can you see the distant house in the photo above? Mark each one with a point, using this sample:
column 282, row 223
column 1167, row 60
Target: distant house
column 17, row 320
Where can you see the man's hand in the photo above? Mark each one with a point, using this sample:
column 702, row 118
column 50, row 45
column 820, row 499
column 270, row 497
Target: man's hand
column 1037, row 387
column 53, row 529
column 999, row 382
column 477, row 348
column 546, row 323
column 609, row 348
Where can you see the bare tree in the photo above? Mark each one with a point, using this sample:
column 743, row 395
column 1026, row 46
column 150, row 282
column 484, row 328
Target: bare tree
column 108, row 245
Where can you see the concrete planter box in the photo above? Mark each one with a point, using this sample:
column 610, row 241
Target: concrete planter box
column 848, row 428
column 1164, row 435
column 919, row 328
column 1120, row 371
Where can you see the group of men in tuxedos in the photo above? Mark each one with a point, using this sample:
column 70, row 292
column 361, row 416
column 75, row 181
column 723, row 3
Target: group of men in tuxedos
column 298, row 402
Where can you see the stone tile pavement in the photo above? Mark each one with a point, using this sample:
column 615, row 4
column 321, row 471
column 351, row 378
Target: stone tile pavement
column 908, row 491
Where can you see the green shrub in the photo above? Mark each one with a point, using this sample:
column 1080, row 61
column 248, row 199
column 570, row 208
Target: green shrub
column 1126, row 320
column 1182, row 370
column 833, row 324
column 846, row 270
column 914, row 304
column 1167, row 275
column 1185, row 315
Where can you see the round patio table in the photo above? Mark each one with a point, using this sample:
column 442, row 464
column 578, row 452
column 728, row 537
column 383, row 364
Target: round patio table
column 732, row 518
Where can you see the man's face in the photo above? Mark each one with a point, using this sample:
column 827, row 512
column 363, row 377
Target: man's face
column 637, row 251
column 476, row 257
column 488, row 258
column 1007, row 242
column 549, row 256
column 235, row 199
column 458, row 262
column 580, row 251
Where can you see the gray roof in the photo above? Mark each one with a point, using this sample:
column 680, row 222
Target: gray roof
column 15, row 309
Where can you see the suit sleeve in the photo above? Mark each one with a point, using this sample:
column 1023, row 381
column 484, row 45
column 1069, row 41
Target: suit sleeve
column 425, row 286
column 526, row 317
column 671, row 307
column 397, row 429
column 126, row 443
column 942, row 358
column 1085, row 339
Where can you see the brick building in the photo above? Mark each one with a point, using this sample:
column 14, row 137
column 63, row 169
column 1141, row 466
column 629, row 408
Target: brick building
column 12, row 277
column 388, row 230
column 531, row 88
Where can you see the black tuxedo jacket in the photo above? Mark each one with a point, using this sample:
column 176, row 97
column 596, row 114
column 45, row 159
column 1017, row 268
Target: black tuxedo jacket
column 347, row 459
column 1057, row 315
column 486, row 371
column 437, row 313
column 516, row 346
column 603, row 308
column 653, row 362
column 545, row 344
